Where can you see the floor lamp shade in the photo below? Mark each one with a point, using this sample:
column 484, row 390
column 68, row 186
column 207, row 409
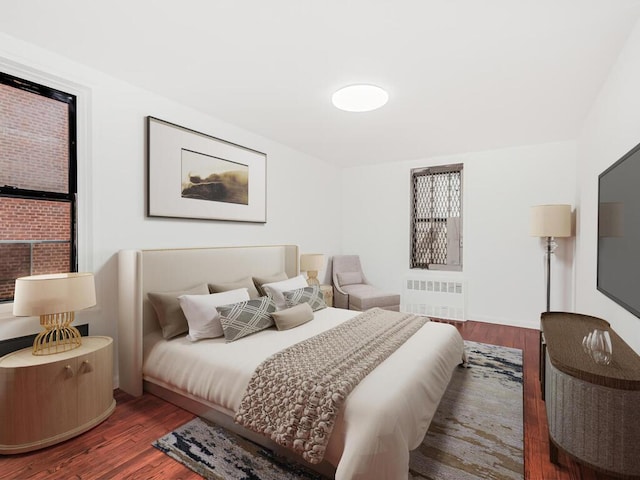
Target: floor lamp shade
column 311, row 263
column 551, row 221
column 55, row 298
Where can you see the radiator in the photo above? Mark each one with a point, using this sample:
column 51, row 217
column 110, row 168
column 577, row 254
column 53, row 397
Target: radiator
column 435, row 297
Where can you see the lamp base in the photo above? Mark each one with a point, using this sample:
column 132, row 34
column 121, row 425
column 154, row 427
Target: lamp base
column 312, row 278
column 58, row 335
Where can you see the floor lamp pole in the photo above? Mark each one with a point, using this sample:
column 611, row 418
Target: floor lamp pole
column 548, row 274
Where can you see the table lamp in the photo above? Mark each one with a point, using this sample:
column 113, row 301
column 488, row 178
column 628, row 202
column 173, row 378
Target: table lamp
column 55, row 297
column 311, row 263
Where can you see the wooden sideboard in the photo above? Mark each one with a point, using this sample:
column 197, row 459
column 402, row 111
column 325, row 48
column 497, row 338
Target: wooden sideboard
column 593, row 409
column 50, row 398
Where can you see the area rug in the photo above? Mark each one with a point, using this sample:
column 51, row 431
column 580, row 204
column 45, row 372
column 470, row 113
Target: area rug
column 477, row 432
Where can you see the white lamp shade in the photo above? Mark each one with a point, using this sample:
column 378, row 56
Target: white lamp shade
column 551, row 221
column 311, row 262
column 55, row 293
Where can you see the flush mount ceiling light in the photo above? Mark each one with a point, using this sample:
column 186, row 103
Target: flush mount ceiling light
column 360, row 98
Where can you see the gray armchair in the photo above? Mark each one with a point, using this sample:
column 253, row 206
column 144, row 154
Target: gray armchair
column 352, row 291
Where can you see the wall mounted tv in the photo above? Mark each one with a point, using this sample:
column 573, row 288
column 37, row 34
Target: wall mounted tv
column 619, row 231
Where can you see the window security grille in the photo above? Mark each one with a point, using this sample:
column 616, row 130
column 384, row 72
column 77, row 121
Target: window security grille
column 436, row 217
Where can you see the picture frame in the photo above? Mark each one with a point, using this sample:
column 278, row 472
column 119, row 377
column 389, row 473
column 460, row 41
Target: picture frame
column 194, row 175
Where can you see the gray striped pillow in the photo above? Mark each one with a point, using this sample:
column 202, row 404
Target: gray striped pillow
column 244, row 318
column 311, row 295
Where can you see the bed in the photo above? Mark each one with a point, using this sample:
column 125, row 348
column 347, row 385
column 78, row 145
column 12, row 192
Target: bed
column 386, row 415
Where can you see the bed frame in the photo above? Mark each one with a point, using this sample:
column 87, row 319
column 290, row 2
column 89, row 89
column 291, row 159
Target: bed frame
column 144, row 271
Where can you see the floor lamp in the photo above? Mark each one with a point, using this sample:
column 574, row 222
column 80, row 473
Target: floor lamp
column 550, row 221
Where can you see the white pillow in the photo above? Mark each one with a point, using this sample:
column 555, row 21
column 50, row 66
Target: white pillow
column 201, row 313
column 276, row 289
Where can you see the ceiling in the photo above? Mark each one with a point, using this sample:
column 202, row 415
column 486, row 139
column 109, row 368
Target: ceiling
column 462, row 75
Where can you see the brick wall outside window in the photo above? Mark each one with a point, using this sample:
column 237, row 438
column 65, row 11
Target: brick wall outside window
column 34, row 136
column 36, row 232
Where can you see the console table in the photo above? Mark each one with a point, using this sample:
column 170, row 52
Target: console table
column 593, row 409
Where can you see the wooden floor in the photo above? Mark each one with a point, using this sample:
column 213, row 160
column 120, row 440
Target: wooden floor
column 120, row 448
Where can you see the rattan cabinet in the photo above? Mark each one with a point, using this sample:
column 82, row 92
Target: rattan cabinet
column 593, row 409
column 47, row 399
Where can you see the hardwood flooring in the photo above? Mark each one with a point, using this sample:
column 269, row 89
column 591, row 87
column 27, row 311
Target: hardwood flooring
column 120, row 447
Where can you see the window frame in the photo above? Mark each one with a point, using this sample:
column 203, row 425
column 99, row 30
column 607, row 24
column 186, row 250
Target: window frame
column 427, row 171
column 71, row 196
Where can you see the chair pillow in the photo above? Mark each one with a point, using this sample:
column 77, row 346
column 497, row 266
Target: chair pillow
column 244, row 283
column 202, row 315
column 293, row 317
column 259, row 281
column 276, row 289
column 349, row 278
column 310, row 295
column 244, row 318
column 170, row 316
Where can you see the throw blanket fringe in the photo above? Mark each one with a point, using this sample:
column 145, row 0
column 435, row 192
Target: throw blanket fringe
column 294, row 396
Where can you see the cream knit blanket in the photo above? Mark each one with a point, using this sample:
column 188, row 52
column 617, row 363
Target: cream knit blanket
column 294, row 396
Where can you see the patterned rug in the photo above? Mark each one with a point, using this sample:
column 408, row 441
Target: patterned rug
column 477, row 432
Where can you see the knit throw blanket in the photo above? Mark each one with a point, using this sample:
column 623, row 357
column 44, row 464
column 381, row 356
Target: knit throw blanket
column 294, row 396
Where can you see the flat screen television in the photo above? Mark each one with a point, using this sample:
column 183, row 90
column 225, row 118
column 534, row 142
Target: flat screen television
column 619, row 231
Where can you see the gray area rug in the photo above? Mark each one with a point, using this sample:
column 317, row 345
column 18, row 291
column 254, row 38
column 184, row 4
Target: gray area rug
column 477, row 432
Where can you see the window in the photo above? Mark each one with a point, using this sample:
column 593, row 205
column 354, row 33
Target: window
column 436, row 217
column 38, row 183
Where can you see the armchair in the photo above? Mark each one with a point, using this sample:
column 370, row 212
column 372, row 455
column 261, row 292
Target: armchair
column 352, row 291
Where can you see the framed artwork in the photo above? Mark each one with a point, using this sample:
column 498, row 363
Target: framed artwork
column 193, row 175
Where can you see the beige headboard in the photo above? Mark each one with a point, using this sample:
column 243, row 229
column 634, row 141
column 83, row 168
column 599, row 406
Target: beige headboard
column 143, row 271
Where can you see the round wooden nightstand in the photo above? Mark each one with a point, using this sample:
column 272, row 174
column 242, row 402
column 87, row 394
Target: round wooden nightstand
column 50, row 398
column 327, row 292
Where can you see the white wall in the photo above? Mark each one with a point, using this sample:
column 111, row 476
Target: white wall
column 611, row 130
column 503, row 266
column 112, row 184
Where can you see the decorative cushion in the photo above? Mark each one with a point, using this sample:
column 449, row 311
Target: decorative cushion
column 203, row 317
column 244, row 283
column 244, row 318
column 170, row 316
column 293, row 317
column 364, row 297
column 311, row 295
column 276, row 289
column 259, row 281
column 349, row 278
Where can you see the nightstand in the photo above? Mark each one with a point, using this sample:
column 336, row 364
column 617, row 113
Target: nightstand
column 50, row 398
column 327, row 292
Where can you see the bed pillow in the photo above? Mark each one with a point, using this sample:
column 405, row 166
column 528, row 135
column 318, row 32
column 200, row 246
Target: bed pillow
column 292, row 317
column 244, row 318
column 310, row 295
column 244, row 283
column 259, row 281
column 276, row 289
column 349, row 278
column 170, row 316
column 203, row 317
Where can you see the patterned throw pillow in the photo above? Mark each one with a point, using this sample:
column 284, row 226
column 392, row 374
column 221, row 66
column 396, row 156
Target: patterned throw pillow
column 244, row 318
column 311, row 295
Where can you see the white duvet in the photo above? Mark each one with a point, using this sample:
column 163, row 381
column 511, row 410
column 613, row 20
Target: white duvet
column 384, row 417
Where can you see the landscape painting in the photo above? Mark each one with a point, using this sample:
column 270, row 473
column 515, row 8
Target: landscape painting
column 205, row 177
column 194, row 175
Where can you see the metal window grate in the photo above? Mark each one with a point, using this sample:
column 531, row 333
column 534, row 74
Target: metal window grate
column 436, row 199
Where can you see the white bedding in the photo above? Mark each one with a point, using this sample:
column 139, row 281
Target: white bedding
column 385, row 417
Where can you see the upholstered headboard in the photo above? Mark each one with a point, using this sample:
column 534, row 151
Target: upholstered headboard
column 144, row 271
